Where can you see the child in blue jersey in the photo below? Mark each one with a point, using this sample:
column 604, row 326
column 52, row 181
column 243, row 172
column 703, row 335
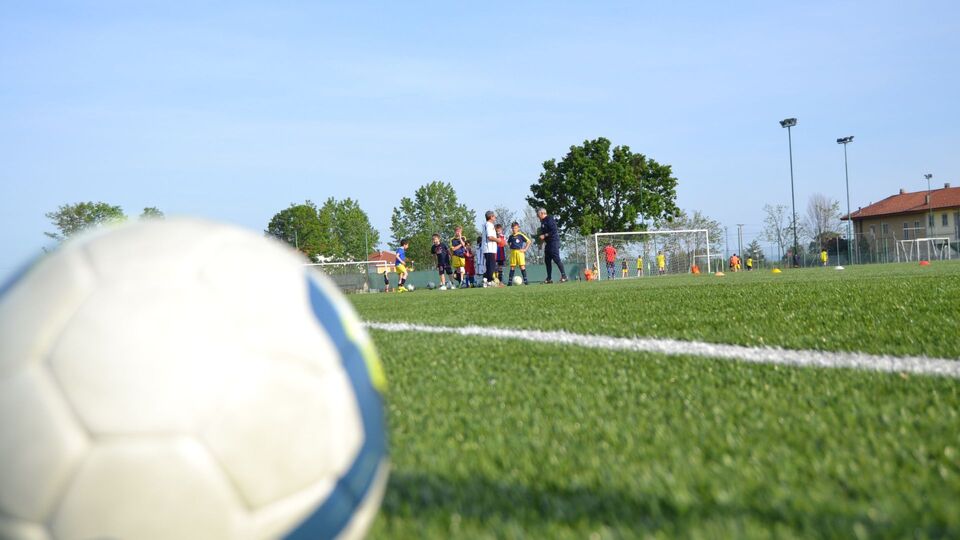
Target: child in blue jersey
column 401, row 264
column 519, row 243
column 442, row 253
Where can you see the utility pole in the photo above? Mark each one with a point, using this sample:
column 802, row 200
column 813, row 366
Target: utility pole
column 929, row 207
column 726, row 242
column 740, row 239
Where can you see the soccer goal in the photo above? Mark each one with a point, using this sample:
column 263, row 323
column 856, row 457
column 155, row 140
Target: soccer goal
column 917, row 249
column 681, row 250
column 353, row 276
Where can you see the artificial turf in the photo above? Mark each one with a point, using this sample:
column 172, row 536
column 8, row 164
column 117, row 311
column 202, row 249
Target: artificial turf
column 882, row 309
column 508, row 439
column 505, row 439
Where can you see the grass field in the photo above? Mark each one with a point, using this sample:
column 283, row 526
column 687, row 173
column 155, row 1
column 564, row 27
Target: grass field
column 507, row 439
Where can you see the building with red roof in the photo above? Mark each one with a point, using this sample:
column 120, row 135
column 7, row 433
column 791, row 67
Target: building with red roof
column 910, row 215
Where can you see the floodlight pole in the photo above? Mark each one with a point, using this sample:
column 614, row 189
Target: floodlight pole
column 928, row 176
column 846, row 173
column 789, row 123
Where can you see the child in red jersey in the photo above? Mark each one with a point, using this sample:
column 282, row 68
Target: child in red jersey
column 471, row 268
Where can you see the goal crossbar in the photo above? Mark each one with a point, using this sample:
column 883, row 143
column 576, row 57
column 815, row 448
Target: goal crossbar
column 706, row 233
column 379, row 265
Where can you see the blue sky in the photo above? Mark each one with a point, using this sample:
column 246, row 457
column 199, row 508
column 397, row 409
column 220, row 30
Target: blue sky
column 233, row 110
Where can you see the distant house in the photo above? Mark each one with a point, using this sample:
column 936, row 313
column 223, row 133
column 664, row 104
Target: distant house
column 387, row 257
column 909, row 216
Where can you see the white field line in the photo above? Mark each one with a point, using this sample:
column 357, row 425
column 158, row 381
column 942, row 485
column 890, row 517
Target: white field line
column 919, row 365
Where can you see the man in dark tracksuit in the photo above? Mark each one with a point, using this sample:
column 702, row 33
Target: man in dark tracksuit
column 551, row 249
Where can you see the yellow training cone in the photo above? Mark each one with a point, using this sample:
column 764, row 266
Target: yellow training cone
column 775, row 271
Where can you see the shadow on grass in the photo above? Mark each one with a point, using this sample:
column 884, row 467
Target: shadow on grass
column 426, row 498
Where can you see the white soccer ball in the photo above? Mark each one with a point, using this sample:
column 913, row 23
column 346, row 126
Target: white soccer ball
column 185, row 379
column 517, row 280
column 411, row 287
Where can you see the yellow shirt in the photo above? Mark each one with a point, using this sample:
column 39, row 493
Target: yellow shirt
column 661, row 261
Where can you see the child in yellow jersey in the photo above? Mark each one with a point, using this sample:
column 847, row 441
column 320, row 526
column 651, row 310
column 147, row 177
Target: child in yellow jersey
column 518, row 243
column 639, row 265
column 661, row 263
column 458, row 256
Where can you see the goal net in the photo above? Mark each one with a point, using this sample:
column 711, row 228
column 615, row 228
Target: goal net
column 355, row 276
column 920, row 249
column 681, row 251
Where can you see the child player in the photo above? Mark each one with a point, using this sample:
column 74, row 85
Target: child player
column 639, row 265
column 501, row 252
column 610, row 253
column 440, row 251
column 623, row 268
column 458, row 245
column 519, row 243
column 470, row 266
column 661, row 263
column 401, row 264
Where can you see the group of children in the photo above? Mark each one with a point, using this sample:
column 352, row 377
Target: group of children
column 735, row 264
column 457, row 260
column 610, row 256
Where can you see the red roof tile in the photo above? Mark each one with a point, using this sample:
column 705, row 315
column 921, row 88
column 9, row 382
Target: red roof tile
column 387, row 256
column 908, row 203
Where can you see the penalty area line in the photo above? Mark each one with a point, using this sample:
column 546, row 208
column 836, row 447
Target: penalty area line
column 919, row 365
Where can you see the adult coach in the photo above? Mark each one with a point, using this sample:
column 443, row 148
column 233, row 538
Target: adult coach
column 551, row 248
column 489, row 247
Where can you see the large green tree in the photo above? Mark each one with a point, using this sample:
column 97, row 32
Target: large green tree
column 299, row 225
column 434, row 208
column 598, row 188
column 69, row 219
column 348, row 228
column 336, row 231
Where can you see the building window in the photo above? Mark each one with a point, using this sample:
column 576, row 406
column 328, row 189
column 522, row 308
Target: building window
column 873, row 230
column 906, row 230
column 945, row 220
column 930, row 221
column 886, row 229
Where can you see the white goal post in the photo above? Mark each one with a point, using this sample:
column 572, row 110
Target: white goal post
column 351, row 276
column 686, row 246
column 934, row 248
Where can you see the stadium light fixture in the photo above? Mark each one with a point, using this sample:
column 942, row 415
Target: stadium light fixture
column 789, row 123
column 846, row 173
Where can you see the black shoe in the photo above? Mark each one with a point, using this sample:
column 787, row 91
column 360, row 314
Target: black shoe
column 547, row 281
column 563, row 280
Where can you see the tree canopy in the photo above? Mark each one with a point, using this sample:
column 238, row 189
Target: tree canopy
column 595, row 188
column 151, row 212
column 69, row 219
column 434, row 208
column 333, row 232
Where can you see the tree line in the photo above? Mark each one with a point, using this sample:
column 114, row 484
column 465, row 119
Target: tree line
column 819, row 228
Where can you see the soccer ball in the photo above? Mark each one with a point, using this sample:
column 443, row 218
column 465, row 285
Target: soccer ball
column 517, row 280
column 411, row 288
column 184, row 379
column 431, row 285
